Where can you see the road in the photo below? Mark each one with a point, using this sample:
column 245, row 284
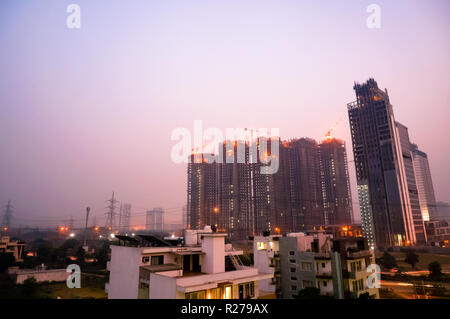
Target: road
column 405, row 289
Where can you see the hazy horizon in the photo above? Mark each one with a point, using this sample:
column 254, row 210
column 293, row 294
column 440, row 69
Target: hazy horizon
column 85, row 112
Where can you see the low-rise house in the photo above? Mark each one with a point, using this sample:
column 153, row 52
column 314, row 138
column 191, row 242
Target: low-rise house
column 15, row 247
column 145, row 267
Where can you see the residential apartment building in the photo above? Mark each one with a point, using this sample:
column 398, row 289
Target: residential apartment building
column 235, row 195
column 266, row 253
column 202, row 192
column 336, row 266
column 343, row 231
column 305, row 185
column 145, row 267
column 335, row 181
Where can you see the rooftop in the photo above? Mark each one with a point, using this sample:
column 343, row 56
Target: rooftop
column 159, row 268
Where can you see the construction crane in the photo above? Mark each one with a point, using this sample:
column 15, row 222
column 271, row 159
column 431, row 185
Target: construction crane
column 329, row 133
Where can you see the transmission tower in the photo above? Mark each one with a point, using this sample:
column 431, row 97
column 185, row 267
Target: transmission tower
column 7, row 216
column 111, row 213
column 71, row 223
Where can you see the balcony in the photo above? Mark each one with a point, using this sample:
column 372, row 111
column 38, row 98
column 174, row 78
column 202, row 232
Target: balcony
column 355, row 274
column 324, row 274
column 359, row 254
column 322, row 256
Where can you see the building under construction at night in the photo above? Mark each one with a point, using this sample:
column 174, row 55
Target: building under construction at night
column 236, row 196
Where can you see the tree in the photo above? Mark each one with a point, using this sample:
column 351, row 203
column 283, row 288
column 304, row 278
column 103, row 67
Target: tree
column 102, row 255
column 365, row 295
column 44, row 252
column 310, row 293
column 70, row 243
column 435, row 270
column 411, row 258
column 80, row 254
column 28, row 288
column 29, row 262
column 388, row 261
column 6, row 260
column 7, row 286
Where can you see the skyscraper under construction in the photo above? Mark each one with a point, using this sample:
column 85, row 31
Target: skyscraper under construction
column 336, row 192
column 382, row 181
column 235, row 195
column 203, row 196
column 305, row 190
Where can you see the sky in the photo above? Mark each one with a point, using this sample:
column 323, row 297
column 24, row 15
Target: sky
column 85, row 112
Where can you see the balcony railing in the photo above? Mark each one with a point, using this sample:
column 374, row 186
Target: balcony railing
column 359, row 254
column 322, row 256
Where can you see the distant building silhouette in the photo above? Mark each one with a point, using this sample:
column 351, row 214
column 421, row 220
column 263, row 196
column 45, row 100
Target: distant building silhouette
column 424, row 182
column 155, row 220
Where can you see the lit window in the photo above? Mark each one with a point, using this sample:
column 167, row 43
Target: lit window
column 227, row 292
column 261, row 245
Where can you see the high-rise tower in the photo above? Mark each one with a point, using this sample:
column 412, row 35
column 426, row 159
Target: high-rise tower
column 202, row 192
column 336, row 193
column 305, row 186
column 386, row 213
column 411, row 189
column 424, row 183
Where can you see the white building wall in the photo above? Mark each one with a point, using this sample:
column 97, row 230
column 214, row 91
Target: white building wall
column 328, row 289
column 323, row 270
column 124, row 272
column 214, row 258
column 162, row 287
column 261, row 259
column 42, row 275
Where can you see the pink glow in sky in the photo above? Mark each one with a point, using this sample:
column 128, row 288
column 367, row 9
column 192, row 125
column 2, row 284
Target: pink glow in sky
column 90, row 111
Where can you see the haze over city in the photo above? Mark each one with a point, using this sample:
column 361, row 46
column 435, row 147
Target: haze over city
column 89, row 111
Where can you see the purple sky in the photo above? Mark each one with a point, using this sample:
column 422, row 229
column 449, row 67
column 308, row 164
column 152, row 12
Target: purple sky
column 85, row 112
